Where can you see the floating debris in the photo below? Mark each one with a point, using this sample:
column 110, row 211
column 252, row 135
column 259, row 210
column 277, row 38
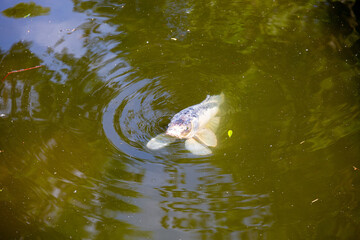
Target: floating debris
column 174, row 39
column 315, row 200
column 21, row 70
column 68, row 30
column 230, row 132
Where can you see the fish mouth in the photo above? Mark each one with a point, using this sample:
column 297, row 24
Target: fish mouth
column 167, row 132
column 172, row 134
column 175, row 135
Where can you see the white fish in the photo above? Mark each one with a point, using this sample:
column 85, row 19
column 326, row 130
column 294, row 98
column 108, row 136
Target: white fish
column 196, row 124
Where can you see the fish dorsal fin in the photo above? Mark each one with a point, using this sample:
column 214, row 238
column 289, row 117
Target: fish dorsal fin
column 160, row 141
column 213, row 124
column 207, row 137
column 196, row 148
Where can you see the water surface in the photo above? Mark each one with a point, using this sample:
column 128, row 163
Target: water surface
column 73, row 160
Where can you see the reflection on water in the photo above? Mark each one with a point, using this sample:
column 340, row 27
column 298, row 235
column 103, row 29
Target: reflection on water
column 73, row 161
column 212, row 200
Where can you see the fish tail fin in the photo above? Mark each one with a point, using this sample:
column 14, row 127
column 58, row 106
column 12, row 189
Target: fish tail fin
column 217, row 98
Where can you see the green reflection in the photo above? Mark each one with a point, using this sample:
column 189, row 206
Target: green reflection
column 53, row 165
column 24, row 10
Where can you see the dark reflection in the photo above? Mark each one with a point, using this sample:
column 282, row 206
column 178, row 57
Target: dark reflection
column 344, row 29
column 24, row 10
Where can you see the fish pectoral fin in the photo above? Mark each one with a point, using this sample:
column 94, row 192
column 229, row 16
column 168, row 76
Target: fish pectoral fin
column 196, row 148
column 213, row 124
column 207, row 137
column 160, row 141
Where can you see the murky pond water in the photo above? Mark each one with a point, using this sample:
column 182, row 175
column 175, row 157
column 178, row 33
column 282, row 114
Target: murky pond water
column 74, row 162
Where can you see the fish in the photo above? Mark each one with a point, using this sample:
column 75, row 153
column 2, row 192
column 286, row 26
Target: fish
column 196, row 124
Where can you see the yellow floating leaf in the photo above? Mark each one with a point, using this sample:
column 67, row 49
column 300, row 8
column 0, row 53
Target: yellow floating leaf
column 230, row 132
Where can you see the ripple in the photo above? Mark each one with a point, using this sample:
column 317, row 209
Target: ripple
column 139, row 112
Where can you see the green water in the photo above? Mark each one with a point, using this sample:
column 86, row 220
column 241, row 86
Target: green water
column 73, row 160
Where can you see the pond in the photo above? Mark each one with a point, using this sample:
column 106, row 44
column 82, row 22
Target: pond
column 73, row 157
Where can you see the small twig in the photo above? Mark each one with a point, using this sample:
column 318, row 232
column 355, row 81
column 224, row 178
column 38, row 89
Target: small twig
column 315, row 200
column 20, row 70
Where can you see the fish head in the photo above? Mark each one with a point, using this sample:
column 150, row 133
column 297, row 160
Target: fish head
column 180, row 129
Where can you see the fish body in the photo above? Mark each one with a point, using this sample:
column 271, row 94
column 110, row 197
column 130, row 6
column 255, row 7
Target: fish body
column 196, row 123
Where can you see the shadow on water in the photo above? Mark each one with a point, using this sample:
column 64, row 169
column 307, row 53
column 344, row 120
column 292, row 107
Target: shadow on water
column 74, row 162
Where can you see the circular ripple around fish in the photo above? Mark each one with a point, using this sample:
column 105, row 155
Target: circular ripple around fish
column 138, row 113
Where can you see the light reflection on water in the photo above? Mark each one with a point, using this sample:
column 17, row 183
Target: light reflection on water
column 74, row 162
column 212, row 200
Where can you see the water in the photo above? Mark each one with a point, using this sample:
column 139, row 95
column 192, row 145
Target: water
column 73, row 161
